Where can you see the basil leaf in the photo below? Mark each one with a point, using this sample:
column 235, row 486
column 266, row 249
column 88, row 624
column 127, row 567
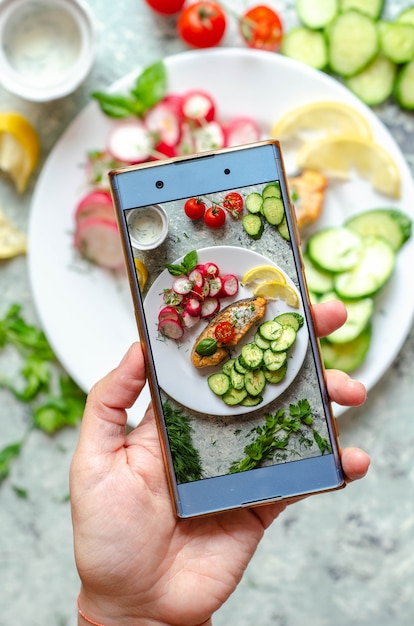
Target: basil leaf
column 175, row 270
column 115, row 105
column 150, row 87
column 190, row 261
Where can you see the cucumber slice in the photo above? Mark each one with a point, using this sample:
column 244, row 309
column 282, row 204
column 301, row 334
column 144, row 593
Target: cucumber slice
column 397, row 41
column 251, row 401
column 273, row 361
column 227, row 367
column 307, row 46
column 373, row 8
column 251, row 356
column 254, row 202
column 283, row 229
column 219, row 383
column 353, row 42
column 406, row 16
column 254, row 382
column 273, row 210
column 318, row 281
column 276, row 376
column 253, row 225
column 290, row 319
column 404, row 87
column 374, row 84
column 236, row 379
column 374, row 268
column 346, row 356
column 335, row 249
column 264, row 344
column 391, row 224
column 285, row 340
column 360, row 313
column 234, row 396
column 316, row 13
column 272, row 189
column 239, row 367
column 270, row 330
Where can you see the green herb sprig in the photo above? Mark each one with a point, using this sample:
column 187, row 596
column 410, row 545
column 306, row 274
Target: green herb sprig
column 187, row 265
column 186, row 459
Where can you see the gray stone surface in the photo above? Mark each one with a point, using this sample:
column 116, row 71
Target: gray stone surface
column 339, row 559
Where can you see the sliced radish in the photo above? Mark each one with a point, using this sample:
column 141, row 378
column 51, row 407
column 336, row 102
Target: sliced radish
column 98, row 241
column 201, row 292
column 171, row 298
column 190, row 321
column 163, row 121
column 171, row 328
column 211, row 269
column 242, row 130
column 198, row 107
column 186, row 145
column 98, row 166
column 97, row 203
column 196, row 277
column 209, row 137
column 182, row 285
column 193, row 307
column 209, row 307
column 215, row 286
column 168, row 312
column 201, row 268
column 230, row 285
column 163, row 150
column 130, row 141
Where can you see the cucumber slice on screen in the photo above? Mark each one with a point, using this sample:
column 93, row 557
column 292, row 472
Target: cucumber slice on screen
column 404, row 87
column 318, row 281
column 406, row 16
column 391, row 224
column 253, row 225
column 360, row 313
column 373, row 8
column 374, row 84
column 334, row 249
column 276, row 376
column 375, row 266
column 353, row 42
column 316, row 13
column 397, row 41
column 290, row 319
column 346, row 356
column 307, row 46
column 271, row 189
column 273, row 210
column 283, row 229
column 254, row 202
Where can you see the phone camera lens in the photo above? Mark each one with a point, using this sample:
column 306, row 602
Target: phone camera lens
column 159, row 184
column 227, row 171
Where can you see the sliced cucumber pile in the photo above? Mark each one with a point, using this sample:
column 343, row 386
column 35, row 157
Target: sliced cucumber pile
column 352, row 263
column 266, row 207
column 242, row 379
column 350, row 38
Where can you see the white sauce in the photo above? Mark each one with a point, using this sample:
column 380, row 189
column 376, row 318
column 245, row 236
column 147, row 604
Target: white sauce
column 145, row 226
column 42, row 44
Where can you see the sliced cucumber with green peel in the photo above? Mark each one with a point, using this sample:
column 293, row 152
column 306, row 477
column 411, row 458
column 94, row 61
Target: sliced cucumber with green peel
column 360, row 313
column 404, row 87
column 273, row 361
column 270, row 330
column 271, row 190
column 318, row 280
column 316, row 14
column 372, row 271
column 236, row 379
column 254, row 382
column 307, row 46
column 374, row 84
column 290, row 319
column 406, row 16
column 219, row 383
column 234, row 396
column 397, row 41
column 391, row 224
column 273, row 210
column 373, row 8
column 253, row 225
column 254, row 202
column 283, row 229
column 285, row 340
column 251, row 356
column 346, row 356
column 277, row 375
column 251, row 400
column 353, row 42
column 335, row 249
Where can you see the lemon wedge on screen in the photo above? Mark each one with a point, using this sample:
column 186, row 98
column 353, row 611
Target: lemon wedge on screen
column 338, row 156
column 19, row 148
column 261, row 274
column 12, row 241
column 142, row 272
column 324, row 119
column 274, row 290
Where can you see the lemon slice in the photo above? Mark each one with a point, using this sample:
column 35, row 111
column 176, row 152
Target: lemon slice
column 261, row 274
column 19, row 148
column 12, row 241
column 328, row 118
column 274, row 290
column 338, row 156
column 142, row 272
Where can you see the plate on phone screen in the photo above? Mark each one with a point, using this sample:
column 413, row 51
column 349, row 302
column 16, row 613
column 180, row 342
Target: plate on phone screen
column 87, row 314
column 176, row 374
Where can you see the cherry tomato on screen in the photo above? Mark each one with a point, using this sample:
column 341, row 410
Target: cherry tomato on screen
column 215, row 216
column 234, row 203
column 224, row 332
column 261, row 28
column 194, row 208
column 202, row 24
column 166, row 7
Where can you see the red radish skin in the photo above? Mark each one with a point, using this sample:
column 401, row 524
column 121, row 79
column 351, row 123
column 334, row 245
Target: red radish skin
column 215, row 286
column 198, row 107
column 200, row 292
column 97, row 203
column 230, row 286
column 130, row 141
column 182, row 285
column 193, row 307
column 242, row 130
column 211, row 269
column 196, row 277
column 170, row 328
column 190, row 321
column 210, row 307
column 168, row 312
column 162, row 120
column 98, row 241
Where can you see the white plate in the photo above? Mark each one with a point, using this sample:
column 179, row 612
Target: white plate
column 88, row 317
column 176, row 374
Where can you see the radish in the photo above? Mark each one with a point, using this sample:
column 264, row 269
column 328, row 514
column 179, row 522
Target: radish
column 171, row 328
column 215, row 286
column 98, row 166
column 211, row 269
column 209, row 307
column 230, row 286
column 193, row 307
column 189, row 320
column 242, row 130
column 98, row 241
column 162, row 120
column 209, row 137
column 168, row 312
column 198, row 107
column 196, row 277
column 97, row 203
column 201, row 292
column 182, row 285
column 130, row 141
column 171, row 298
column 186, row 144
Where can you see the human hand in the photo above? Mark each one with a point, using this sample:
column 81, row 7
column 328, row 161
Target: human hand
column 139, row 565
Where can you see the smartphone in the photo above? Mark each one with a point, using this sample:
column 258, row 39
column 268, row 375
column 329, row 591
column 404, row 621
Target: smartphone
column 233, row 363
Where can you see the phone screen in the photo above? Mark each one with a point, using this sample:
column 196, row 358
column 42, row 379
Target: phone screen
column 221, row 306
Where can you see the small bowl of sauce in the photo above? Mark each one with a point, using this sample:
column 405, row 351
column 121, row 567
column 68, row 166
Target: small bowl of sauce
column 147, row 226
column 47, row 47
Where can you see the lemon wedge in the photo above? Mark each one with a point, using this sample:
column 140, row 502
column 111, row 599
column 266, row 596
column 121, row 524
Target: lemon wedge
column 274, row 290
column 323, row 118
column 142, row 272
column 12, row 241
column 261, row 274
column 19, row 148
column 338, row 156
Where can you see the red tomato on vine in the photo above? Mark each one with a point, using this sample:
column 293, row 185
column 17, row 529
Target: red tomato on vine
column 166, row 7
column 234, row 203
column 262, row 28
column 202, row 24
column 215, row 216
column 194, row 208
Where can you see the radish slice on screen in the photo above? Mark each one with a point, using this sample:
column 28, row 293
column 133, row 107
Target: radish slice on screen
column 190, row 321
column 193, row 307
column 96, row 204
column 162, row 120
column 196, row 277
column 182, row 285
column 230, row 286
column 98, row 241
column 198, row 107
column 211, row 269
column 215, row 286
column 171, row 298
column 130, row 141
column 242, row 130
column 209, row 137
column 209, row 307
column 171, row 328
column 168, row 312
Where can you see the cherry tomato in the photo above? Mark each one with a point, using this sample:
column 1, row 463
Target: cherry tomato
column 234, row 203
column 261, row 28
column 166, row 7
column 224, row 332
column 194, row 208
column 215, row 216
column 202, row 24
